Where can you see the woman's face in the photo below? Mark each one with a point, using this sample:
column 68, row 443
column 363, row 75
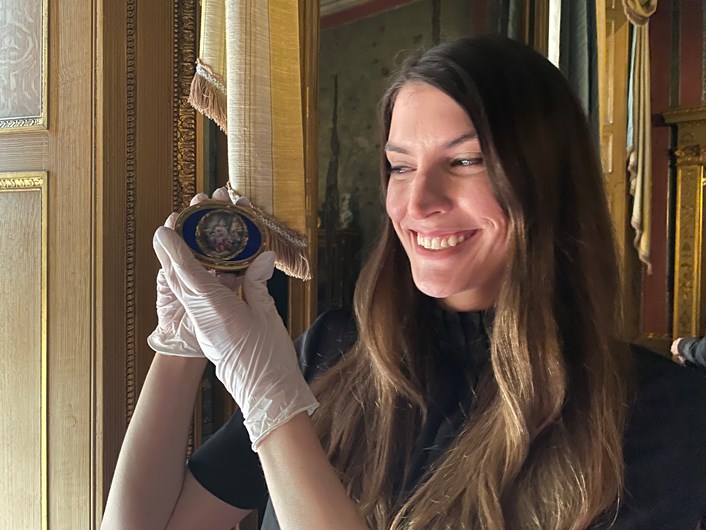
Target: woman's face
column 440, row 200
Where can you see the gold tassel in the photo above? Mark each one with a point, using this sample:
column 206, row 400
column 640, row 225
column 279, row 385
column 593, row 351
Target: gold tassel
column 208, row 95
column 290, row 247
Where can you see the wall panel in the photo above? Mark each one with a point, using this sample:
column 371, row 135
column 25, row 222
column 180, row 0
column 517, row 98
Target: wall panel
column 23, row 229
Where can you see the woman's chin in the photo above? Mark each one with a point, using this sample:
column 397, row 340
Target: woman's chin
column 458, row 299
column 434, row 289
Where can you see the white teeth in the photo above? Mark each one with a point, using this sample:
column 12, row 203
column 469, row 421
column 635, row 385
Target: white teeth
column 439, row 243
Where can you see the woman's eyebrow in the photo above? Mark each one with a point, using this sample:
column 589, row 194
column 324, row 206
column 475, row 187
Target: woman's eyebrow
column 463, row 138
column 389, row 147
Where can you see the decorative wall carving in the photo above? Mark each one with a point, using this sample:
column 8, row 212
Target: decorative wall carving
column 183, row 156
column 184, row 48
column 689, row 263
column 184, row 127
column 691, row 155
column 23, row 64
column 20, row 182
column 688, row 249
column 130, row 208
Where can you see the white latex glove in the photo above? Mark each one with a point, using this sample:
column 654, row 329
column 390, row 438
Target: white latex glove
column 247, row 341
column 175, row 334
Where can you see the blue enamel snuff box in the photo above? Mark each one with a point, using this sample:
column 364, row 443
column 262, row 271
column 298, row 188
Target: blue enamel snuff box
column 222, row 236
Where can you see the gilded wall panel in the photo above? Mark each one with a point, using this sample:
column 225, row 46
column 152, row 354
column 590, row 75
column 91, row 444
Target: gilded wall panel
column 23, row 482
column 23, row 60
column 690, row 155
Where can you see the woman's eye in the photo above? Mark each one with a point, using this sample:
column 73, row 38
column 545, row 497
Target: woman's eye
column 398, row 170
column 467, row 162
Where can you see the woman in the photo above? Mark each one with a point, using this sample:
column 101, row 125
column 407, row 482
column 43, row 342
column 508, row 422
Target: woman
column 481, row 383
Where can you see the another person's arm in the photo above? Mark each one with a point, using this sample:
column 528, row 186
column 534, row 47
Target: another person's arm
column 690, row 350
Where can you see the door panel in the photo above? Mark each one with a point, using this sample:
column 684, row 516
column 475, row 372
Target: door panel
column 23, row 495
column 47, row 252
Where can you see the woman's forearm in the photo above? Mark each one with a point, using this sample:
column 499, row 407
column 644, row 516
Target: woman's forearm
column 305, row 489
column 151, row 466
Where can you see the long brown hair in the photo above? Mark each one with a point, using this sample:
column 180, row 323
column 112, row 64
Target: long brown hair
column 543, row 447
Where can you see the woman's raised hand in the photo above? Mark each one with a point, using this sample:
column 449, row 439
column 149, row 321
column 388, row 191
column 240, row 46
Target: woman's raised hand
column 174, row 334
column 245, row 339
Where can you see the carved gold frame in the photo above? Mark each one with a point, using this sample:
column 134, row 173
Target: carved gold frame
column 32, row 123
column 33, row 181
column 184, row 182
column 688, row 304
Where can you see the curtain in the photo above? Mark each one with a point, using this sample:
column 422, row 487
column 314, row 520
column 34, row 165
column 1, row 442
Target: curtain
column 506, row 17
column 572, row 46
column 248, row 80
column 639, row 153
column 208, row 89
column 578, row 56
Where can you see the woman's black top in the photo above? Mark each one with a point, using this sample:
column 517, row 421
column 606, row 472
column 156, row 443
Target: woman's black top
column 664, row 448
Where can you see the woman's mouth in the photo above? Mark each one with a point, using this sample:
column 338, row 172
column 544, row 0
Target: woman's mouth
column 444, row 241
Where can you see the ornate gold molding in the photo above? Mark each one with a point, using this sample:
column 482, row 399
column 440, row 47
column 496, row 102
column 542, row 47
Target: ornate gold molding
column 21, row 124
column 184, row 126
column 130, row 207
column 184, row 53
column 19, row 181
column 688, row 251
column 690, row 155
column 23, row 182
column 689, row 265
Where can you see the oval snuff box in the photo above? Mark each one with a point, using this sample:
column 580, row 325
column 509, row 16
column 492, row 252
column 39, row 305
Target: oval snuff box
column 222, row 236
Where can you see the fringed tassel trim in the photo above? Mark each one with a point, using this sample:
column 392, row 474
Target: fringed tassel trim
column 208, row 95
column 290, row 247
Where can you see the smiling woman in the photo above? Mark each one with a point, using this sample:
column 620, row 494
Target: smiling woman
column 481, row 382
column 441, row 202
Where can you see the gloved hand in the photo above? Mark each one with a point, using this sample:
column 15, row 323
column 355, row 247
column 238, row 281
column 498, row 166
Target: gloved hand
column 246, row 340
column 676, row 354
column 175, row 334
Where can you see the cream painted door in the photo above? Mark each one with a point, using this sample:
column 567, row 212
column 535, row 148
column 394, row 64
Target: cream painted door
column 47, row 278
column 91, row 161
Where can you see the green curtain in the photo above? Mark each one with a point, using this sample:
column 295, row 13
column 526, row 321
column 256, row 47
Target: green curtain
column 578, row 55
column 506, row 17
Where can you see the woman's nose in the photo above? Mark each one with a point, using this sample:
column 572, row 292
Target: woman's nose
column 429, row 195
